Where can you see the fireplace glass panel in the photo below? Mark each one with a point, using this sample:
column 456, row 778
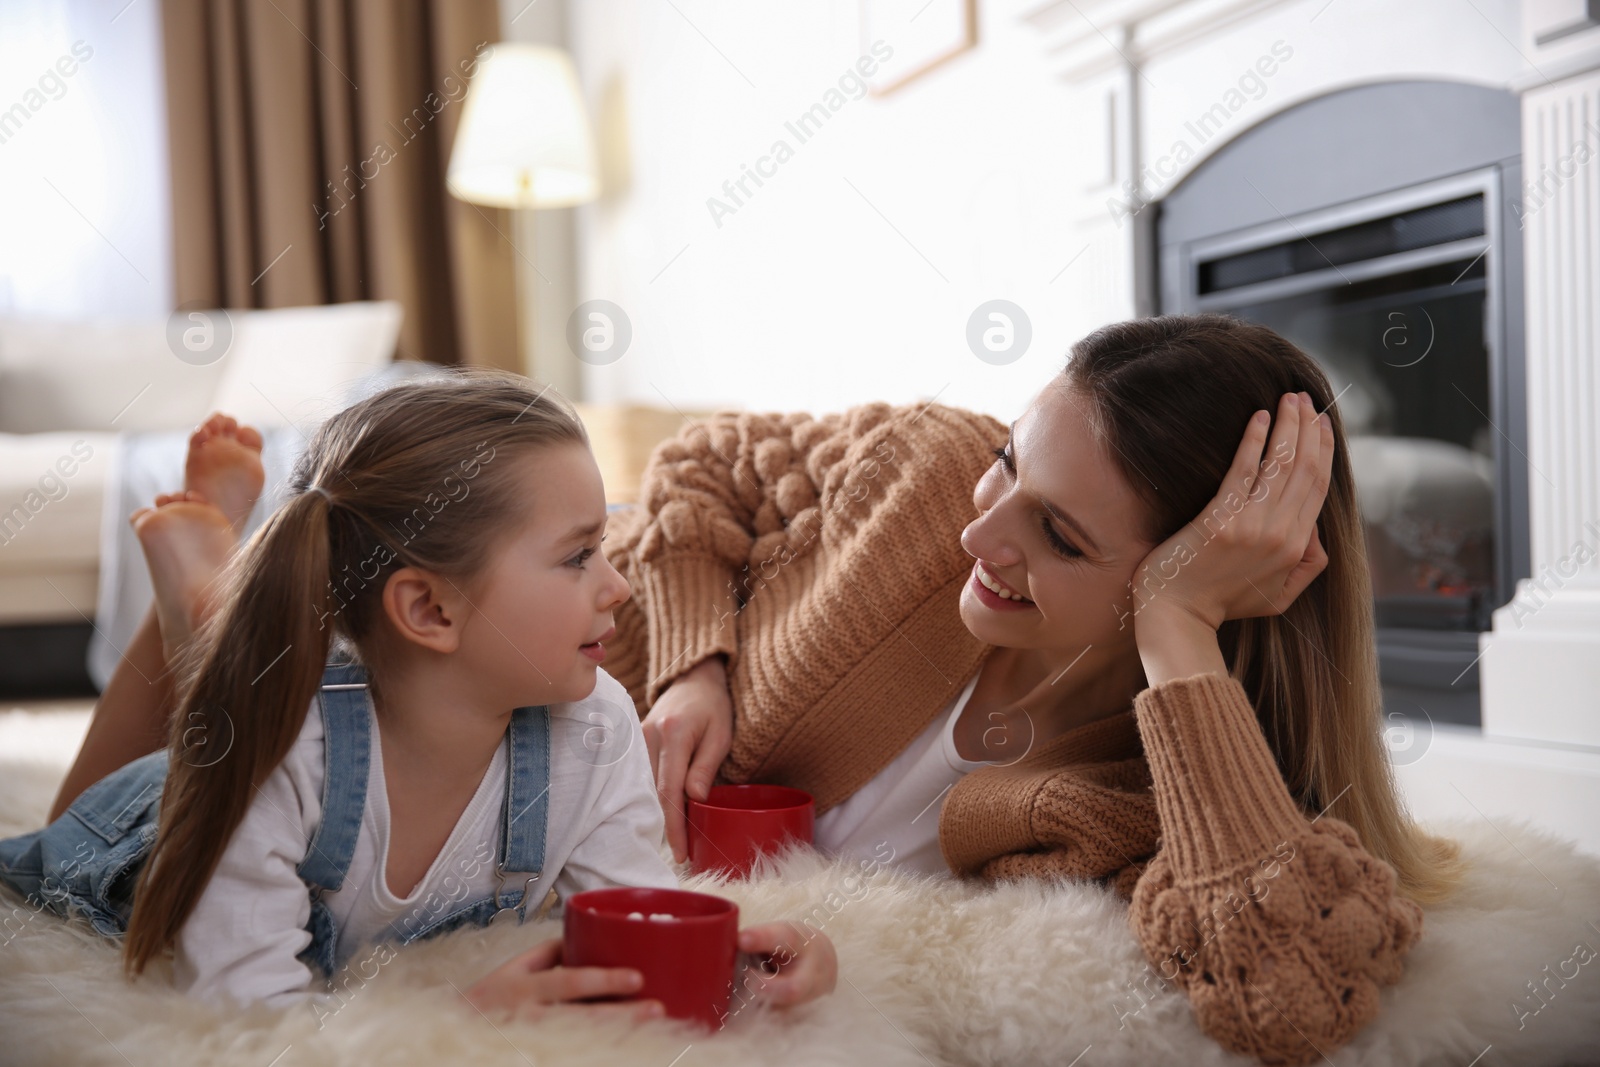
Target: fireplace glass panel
column 1378, row 227
column 1406, row 354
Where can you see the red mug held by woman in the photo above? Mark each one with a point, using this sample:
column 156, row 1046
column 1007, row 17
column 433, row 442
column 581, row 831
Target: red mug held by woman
column 684, row 944
column 737, row 823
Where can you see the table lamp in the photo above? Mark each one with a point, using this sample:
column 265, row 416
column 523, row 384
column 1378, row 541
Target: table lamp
column 524, row 138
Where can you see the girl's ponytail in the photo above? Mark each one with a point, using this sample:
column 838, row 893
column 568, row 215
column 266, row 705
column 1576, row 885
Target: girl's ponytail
column 421, row 475
column 260, row 662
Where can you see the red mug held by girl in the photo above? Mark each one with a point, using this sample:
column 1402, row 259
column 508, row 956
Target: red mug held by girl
column 684, row 944
column 737, row 823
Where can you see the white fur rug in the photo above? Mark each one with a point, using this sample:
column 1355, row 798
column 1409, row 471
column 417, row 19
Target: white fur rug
column 931, row 972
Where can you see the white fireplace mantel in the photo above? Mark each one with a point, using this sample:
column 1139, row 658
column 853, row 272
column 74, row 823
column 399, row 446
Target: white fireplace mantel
column 1086, row 38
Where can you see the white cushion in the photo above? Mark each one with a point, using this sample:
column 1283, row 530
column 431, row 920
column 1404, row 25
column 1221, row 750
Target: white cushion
column 51, row 488
column 105, row 375
column 294, row 366
column 48, row 595
column 282, row 366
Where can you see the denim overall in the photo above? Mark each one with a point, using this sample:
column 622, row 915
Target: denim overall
column 87, row 861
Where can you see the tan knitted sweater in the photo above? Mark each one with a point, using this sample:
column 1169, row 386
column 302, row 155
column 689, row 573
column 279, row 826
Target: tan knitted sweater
column 822, row 556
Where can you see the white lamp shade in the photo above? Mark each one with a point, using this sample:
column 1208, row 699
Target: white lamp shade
column 524, row 137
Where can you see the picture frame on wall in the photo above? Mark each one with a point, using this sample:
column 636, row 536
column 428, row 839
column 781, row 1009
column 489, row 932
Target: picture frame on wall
column 922, row 33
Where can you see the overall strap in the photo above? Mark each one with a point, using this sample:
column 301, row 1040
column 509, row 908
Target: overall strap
column 347, row 734
column 527, row 808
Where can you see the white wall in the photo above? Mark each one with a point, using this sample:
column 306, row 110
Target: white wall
column 83, row 160
column 807, row 297
column 546, row 263
column 991, row 175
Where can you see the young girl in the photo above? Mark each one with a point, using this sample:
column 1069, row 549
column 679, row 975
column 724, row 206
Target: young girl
column 461, row 755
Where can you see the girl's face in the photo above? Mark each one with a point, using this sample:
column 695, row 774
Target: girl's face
column 1058, row 524
column 547, row 591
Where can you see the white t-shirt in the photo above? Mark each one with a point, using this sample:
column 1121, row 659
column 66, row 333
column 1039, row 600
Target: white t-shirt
column 605, row 829
column 899, row 807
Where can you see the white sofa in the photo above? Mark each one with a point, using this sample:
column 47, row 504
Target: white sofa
column 70, row 391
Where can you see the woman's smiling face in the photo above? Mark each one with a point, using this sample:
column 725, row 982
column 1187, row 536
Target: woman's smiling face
column 1059, row 525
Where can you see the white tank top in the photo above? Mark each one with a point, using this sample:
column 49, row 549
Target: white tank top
column 899, row 807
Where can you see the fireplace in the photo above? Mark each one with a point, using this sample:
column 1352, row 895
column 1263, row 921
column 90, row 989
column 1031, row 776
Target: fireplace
column 1378, row 229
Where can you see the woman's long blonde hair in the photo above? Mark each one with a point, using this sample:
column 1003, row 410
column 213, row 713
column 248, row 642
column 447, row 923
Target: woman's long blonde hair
column 1173, row 395
column 420, row 475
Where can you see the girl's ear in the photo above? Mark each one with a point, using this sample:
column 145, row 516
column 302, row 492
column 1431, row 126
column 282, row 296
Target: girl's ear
column 424, row 608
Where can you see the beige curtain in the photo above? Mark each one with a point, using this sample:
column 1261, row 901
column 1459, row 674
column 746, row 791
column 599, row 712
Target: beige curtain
column 309, row 142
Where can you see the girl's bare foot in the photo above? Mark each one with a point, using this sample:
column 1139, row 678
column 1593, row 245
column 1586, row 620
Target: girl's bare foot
column 224, row 467
column 187, row 541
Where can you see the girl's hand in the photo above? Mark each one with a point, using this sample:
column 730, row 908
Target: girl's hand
column 807, row 966
column 1255, row 547
column 534, row 984
column 689, row 731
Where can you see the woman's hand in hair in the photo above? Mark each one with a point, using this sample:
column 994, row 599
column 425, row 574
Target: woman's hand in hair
column 689, row 731
column 1255, row 548
column 533, row 984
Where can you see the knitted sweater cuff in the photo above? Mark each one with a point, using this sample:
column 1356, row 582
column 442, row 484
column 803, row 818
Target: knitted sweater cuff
column 1221, row 797
column 985, row 815
column 692, row 611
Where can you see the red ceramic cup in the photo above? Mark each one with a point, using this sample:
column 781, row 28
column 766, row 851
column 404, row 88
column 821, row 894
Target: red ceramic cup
column 738, row 823
column 685, row 944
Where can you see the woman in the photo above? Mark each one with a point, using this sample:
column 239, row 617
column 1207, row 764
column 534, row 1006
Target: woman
column 1095, row 664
